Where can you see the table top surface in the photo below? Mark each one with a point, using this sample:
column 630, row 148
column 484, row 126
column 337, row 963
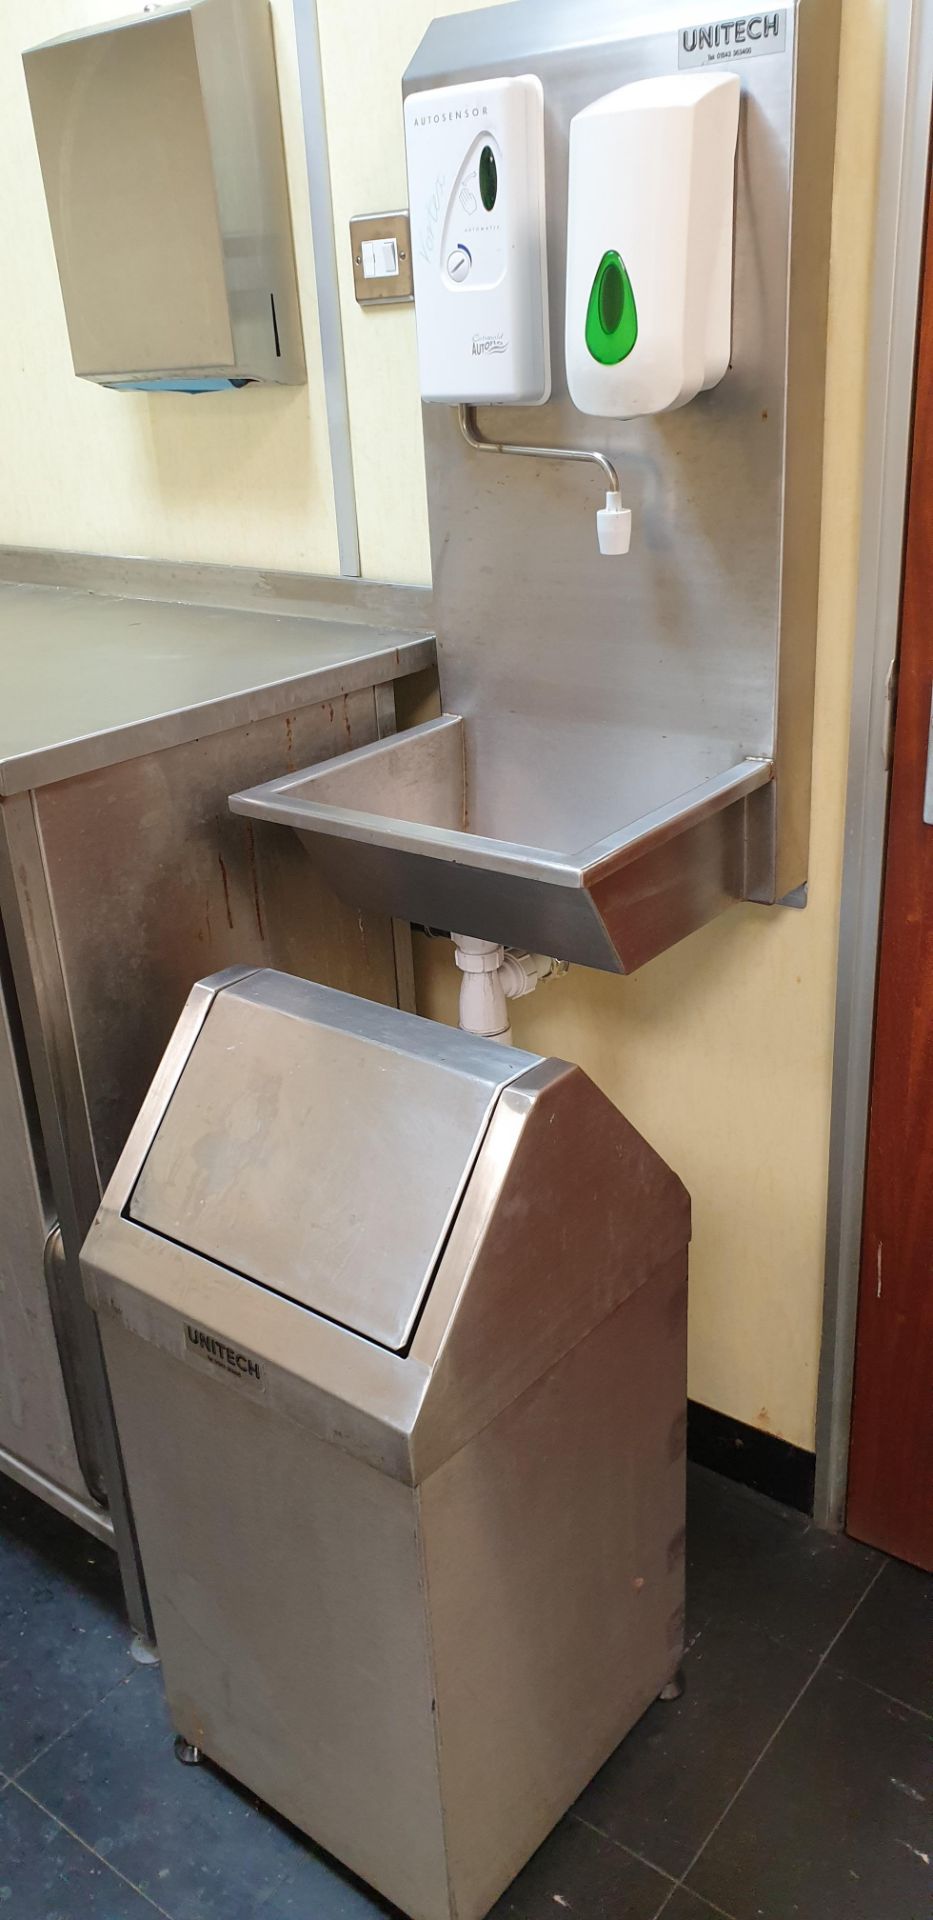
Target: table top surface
column 87, row 679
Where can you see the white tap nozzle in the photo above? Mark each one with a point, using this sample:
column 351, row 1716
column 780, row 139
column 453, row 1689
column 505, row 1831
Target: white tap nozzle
column 614, row 525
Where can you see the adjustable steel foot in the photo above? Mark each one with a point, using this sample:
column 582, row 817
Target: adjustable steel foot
column 184, row 1751
column 144, row 1652
column 674, row 1687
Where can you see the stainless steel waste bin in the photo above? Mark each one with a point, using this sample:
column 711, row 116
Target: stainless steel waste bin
column 394, row 1320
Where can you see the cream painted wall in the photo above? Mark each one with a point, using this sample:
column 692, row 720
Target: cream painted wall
column 721, row 1051
column 240, row 477
column 364, row 52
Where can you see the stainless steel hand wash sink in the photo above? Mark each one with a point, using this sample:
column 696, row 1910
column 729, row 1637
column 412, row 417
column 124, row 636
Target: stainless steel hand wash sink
column 401, row 827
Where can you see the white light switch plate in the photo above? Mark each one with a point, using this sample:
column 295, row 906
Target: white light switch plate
column 381, row 244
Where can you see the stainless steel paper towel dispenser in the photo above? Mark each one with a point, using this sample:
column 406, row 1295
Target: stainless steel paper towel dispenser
column 395, row 1325
column 160, row 145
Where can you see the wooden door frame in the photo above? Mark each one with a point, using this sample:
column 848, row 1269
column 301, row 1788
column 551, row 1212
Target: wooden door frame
column 899, row 232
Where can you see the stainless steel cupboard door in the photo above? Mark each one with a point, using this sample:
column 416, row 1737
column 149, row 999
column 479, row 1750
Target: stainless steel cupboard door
column 36, row 1441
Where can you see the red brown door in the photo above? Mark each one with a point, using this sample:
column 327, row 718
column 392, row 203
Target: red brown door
column 890, row 1499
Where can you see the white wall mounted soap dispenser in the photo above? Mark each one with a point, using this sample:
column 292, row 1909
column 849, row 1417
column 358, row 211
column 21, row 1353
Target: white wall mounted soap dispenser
column 649, row 243
column 476, row 191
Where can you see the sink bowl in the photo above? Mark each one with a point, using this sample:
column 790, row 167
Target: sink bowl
column 396, row 827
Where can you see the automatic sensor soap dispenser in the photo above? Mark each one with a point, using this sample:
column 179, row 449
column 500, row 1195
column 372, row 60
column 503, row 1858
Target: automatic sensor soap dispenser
column 649, row 243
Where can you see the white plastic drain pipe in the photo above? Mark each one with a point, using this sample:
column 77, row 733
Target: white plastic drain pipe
column 491, row 977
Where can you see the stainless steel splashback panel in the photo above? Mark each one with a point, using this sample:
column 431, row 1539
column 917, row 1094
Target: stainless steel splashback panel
column 580, row 675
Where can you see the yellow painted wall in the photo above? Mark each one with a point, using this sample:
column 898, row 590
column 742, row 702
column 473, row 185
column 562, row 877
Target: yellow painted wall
column 721, row 1050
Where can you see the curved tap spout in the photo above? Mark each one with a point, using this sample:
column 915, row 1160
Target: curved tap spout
column 613, row 521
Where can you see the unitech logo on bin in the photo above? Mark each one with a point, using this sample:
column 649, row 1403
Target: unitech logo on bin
column 231, row 1360
column 732, row 39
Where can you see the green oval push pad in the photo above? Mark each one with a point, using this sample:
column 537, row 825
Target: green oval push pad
column 611, row 316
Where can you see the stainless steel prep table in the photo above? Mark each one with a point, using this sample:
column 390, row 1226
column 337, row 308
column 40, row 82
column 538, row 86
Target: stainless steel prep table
column 124, row 724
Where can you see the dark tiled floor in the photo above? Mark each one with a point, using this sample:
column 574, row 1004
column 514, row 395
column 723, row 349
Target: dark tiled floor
column 793, row 1781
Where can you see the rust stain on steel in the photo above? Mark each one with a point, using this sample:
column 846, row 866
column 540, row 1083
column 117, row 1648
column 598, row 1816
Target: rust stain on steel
column 254, row 877
column 289, row 744
column 348, row 730
column 226, row 885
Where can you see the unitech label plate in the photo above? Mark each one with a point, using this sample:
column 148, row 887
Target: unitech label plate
column 731, row 40
column 217, row 1356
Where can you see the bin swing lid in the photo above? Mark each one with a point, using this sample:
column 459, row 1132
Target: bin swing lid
column 319, row 1145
